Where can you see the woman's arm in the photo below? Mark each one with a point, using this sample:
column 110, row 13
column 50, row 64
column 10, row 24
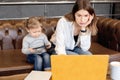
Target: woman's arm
column 60, row 44
column 84, row 40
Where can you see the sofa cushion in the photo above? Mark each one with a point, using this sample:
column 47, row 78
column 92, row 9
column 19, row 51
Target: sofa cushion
column 96, row 49
column 14, row 77
column 13, row 60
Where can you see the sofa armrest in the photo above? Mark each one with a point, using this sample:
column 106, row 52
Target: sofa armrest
column 108, row 33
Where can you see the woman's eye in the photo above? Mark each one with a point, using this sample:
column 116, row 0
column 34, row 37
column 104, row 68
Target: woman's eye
column 86, row 15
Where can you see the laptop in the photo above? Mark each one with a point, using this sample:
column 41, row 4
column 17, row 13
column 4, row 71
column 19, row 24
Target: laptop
column 79, row 67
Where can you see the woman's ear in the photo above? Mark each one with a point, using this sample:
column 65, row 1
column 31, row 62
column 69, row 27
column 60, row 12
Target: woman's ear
column 92, row 16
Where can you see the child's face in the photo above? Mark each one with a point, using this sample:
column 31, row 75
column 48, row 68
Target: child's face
column 82, row 17
column 35, row 32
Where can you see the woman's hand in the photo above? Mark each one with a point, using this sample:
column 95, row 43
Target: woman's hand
column 48, row 46
column 88, row 22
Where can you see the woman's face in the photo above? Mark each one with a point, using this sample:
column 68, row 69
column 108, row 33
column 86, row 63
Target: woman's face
column 82, row 17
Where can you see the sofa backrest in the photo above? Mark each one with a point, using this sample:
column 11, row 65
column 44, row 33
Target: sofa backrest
column 13, row 31
column 109, row 33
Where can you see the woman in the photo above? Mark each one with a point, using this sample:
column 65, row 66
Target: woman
column 74, row 30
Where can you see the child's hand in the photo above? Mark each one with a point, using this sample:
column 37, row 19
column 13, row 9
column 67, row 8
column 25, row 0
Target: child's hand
column 32, row 50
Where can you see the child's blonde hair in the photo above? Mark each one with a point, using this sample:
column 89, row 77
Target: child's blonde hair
column 33, row 22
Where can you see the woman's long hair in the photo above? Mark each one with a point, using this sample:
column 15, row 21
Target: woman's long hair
column 86, row 5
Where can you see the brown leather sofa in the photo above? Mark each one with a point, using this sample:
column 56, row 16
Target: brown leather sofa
column 13, row 61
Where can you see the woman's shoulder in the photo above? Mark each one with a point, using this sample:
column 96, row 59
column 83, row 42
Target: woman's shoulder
column 63, row 18
column 67, row 18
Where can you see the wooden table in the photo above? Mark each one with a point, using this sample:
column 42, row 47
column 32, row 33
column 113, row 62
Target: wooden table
column 21, row 77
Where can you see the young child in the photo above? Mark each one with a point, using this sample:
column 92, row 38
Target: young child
column 34, row 45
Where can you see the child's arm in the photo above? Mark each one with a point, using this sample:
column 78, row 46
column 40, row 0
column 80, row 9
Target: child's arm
column 25, row 47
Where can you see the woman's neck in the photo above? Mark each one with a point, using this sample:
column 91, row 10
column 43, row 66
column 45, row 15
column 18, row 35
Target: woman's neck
column 77, row 29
